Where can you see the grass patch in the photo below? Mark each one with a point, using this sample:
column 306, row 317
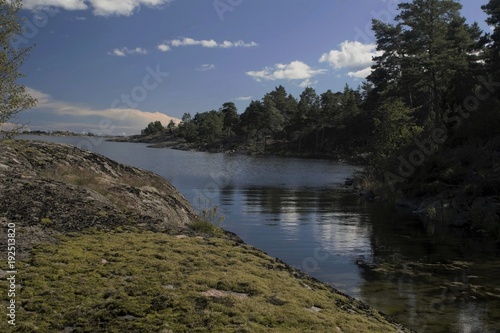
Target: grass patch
column 150, row 282
column 73, row 175
column 209, row 219
column 202, row 226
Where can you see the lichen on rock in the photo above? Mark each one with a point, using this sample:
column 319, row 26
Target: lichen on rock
column 48, row 189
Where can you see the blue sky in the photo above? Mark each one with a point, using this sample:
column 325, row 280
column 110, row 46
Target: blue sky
column 111, row 67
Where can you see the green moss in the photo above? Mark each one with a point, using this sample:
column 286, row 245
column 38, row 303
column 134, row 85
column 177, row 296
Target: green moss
column 46, row 221
column 148, row 282
column 102, row 213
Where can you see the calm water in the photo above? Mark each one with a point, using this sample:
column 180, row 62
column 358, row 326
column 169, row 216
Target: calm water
column 429, row 278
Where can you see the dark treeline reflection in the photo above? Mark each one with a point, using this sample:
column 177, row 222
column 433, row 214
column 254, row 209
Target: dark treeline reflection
column 277, row 200
column 431, row 277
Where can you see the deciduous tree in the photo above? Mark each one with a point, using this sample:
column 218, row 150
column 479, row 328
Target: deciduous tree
column 13, row 95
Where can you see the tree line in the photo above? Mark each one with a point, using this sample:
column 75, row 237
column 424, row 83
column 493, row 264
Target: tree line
column 435, row 74
column 312, row 123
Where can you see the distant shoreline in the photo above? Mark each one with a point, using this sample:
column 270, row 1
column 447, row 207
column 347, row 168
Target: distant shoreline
column 166, row 140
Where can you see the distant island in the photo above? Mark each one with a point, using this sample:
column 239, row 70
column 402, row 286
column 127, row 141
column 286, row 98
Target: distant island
column 59, row 133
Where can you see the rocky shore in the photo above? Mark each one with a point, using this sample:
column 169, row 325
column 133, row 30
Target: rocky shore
column 271, row 148
column 54, row 189
column 473, row 205
column 101, row 247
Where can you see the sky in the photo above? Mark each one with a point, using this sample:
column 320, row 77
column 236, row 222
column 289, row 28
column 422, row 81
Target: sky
column 111, row 67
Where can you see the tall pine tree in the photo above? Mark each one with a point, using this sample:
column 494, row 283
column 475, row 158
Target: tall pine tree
column 427, row 58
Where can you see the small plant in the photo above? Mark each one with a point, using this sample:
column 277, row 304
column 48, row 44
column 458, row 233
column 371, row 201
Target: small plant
column 209, row 220
column 204, row 227
column 431, row 212
column 210, row 213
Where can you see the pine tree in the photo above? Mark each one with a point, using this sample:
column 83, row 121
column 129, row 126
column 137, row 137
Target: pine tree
column 427, row 58
column 231, row 117
column 492, row 8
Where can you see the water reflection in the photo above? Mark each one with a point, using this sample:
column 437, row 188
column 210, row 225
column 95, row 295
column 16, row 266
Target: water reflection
column 430, row 278
column 434, row 279
column 307, row 227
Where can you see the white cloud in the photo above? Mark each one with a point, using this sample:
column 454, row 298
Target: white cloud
column 117, row 52
column 131, row 119
column 190, row 42
column 210, row 43
column 361, row 74
column 125, row 51
column 163, row 47
column 227, row 44
column 64, row 4
column 308, row 83
column 296, row 70
column 100, row 7
column 353, row 55
column 243, row 98
column 205, row 67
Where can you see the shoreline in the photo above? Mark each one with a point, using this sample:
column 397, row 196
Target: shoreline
column 445, row 207
column 86, row 211
column 169, row 141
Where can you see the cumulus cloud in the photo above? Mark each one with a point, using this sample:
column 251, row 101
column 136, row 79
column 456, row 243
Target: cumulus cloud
column 163, row 47
column 296, row 70
column 117, row 52
column 64, row 4
column 308, row 83
column 361, row 74
column 77, row 117
column 99, row 7
column 210, row 43
column 227, row 44
column 190, row 42
column 205, row 67
column 124, row 51
column 352, row 55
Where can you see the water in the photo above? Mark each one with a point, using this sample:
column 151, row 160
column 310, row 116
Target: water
column 430, row 278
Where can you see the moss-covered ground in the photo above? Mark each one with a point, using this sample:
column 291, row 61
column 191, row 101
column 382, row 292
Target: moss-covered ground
column 130, row 281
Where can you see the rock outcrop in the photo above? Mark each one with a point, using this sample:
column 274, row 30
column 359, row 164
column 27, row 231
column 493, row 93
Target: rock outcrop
column 48, row 188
